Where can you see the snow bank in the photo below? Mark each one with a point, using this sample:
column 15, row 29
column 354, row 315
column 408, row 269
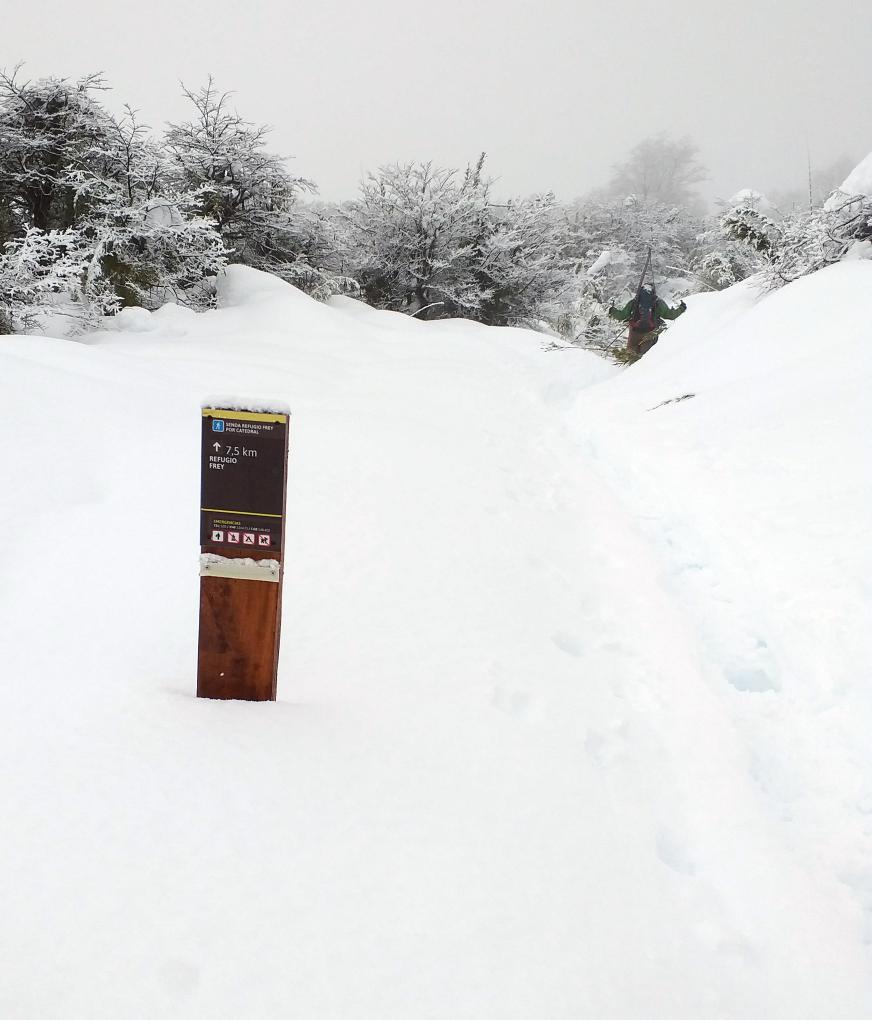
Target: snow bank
column 573, row 713
column 239, row 286
column 857, row 183
column 741, row 446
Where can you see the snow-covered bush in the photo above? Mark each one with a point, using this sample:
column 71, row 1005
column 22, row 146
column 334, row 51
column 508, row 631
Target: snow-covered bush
column 91, row 210
column 817, row 239
column 751, row 227
column 126, row 257
column 736, row 244
column 521, row 261
column 610, row 240
column 723, row 265
column 55, row 145
column 428, row 240
column 220, row 161
column 149, row 254
column 36, row 268
column 414, row 234
column 807, row 241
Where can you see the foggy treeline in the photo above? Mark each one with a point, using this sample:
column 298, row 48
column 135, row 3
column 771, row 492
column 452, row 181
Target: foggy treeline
column 99, row 212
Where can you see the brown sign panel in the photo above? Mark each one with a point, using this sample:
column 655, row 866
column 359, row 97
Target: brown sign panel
column 242, row 489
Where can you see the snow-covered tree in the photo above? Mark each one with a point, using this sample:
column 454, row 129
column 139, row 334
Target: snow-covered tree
column 820, row 238
column 660, row 170
column 143, row 247
column 610, row 240
column 36, row 268
column 115, row 231
column 138, row 255
column 150, row 254
column 429, row 240
column 54, row 142
column 221, row 162
column 804, row 242
column 748, row 224
column 522, row 262
column 413, row 233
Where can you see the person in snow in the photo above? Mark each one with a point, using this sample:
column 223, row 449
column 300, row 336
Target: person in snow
column 645, row 314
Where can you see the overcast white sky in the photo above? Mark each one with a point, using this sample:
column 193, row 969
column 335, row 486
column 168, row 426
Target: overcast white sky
column 554, row 90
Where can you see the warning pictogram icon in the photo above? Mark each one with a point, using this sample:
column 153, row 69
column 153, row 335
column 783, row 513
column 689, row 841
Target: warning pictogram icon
column 248, row 538
column 233, row 537
column 217, row 536
column 263, row 539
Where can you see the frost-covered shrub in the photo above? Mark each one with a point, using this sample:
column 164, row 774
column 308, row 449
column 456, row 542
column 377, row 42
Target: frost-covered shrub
column 736, row 245
column 123, row 258
column 807, row 241
column 817, row 239
column 220, row 162
column 36, row 268
column 148, row 259
column 414, row 235
column 55, row 150
column 429, row 241
column 521, row 262
column 611, row 240
column 91, row 209
column 751, row 227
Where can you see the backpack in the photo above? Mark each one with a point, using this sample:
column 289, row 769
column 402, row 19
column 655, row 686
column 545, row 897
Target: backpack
column 645, row 318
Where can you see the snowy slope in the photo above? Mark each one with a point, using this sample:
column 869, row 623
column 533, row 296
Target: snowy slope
column 858, row 182
column 572, row 705
column 756, row 491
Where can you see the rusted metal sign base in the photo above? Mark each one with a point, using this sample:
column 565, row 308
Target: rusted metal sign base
column 239, row 638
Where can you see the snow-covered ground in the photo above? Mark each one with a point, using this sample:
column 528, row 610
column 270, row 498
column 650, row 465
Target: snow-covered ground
column 574, row 695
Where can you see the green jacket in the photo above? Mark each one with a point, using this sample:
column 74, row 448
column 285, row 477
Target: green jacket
column 661, row 311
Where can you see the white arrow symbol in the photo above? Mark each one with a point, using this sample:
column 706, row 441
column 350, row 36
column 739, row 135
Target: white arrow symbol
column 216, row 447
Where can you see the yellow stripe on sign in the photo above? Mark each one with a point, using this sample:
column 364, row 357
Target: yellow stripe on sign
column 215, row 412
column 239, row 513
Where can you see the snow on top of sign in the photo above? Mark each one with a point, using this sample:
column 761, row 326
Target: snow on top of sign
column 214, row 560
column 256, row 405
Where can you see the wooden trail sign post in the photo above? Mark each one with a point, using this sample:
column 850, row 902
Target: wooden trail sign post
column 243, row 481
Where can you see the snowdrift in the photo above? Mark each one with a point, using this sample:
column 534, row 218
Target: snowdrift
column 858, row 183
column 574, row 687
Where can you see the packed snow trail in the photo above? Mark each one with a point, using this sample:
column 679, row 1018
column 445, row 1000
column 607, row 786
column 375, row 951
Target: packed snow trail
column 504, row 777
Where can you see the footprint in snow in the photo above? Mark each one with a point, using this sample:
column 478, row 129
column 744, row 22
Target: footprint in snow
column 750, row 679
column 673, row 852
column 510, row 700
column 568, row 643
column 605, row 747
